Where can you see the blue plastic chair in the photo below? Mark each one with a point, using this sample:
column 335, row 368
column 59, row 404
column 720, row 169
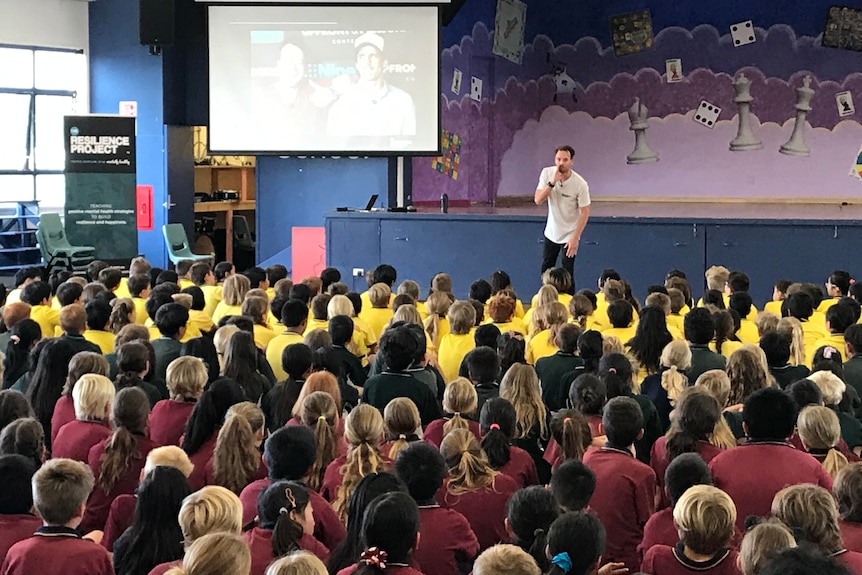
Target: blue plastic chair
column 178, row 245
column 55, row 247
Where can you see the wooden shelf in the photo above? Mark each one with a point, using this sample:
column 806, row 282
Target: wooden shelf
column 211, row 207
column 209, row 179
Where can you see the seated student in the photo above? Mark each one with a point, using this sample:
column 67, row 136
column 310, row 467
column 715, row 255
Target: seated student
column 501, row 311
column 17, row 519
column 483, row 366
column 699, row 331
column 848, row 493
column 183, row 269
column 60, row 490
column 139, row 288
column 761, row 541
column 378, row 313
column 133, row 364
column 23, row 277
column 294, row 317
column 725, row 324
column 552, row 368
column 571, row 437
column 561, row 279
column 233, row 293
column 319, row 412
column 459, row 406
column 663, row 302
column 498, row 424
column 218, row 552
column 573, row 485
column 837, row 286
column 811, row 513
column 278, row 402
column 98, row 318
column 37, row 294
column 741, row 303
column 532, row 510
column 400, row 423
column 820, row 434
column 779, row 292
column 399, row 347
column 547, row 320
column 171, row 320
column 318, row 308
column 93, row 395
column 285, row 523
column 769, row 416
column 222, row 271
column 256, row 308
column 625, row 488
column 449, row 542
column 201, row 274
column 198, row 317
column 620, row 314
column 110, row 277
column 664, row 388
column 705, row 518
column 547, row 294
column 341, row 330
column 505, row 559
column 685, row 471
column 833, row 390
column 776, row 346
column 800, row 305
column 236, row 460
column 838, row 318
column 73, row 323
column 257, row 278
column 459, row 341
column 576, row 545
column 696, row 416
column 474, row 489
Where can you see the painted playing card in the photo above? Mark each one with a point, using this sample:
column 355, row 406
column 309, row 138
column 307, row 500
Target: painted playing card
column 456, row 81
column 476, row 89
column 673, row 70
column 844, row 101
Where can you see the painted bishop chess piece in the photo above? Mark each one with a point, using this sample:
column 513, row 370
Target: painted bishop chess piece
column 639, row 118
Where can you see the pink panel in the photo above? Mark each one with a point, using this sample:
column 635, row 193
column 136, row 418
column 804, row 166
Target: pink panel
column 308, row 252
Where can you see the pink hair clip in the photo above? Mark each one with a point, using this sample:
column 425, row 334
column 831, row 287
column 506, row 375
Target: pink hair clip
column 374, row 556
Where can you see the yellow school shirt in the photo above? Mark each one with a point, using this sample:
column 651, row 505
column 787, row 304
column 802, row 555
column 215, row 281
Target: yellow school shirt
column 212, row 297
column 366, row 300
column 675, row 333
column 376, row 319
column 819, row 320
column 826, row 304
column 262, row 336
column 513, row 325
column 191, row 331
column 141, row 315
column 200, row 319
column 539, row 347
column 453, row 348
column 123, row 289
column 563, row 298
column 104, row 339
column 363, row 338
column 835, row 340
column 747, row 332
column 276, row 347
column 773, row 307
column 811, row 334
column 677, row 322
column 623, row 333
column 317, row 324
column 727, row 348
column 55, row 303
column 423, row 310
column 47, row 318
column 519, row 309
column 223, row 310
column 270, row 293
column 597, row 324
column 184, row 283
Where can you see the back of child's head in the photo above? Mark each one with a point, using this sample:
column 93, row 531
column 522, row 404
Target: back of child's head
column 803, row 393
column 620, row 313
column 685, row 471
column 799, row 305
column 570, row 430
column 839, row 317
column 480, row 290
column 769, row 414
column 810, row 511
column 16, row 474
column 24, row 436
column 483, row 365
column 848, row 492
column 399, row 346
column 461, row 316
column 281, row 508
column 567, row 338
column 576, row 542
column 486, row 335
column 705, row 517
column 802, row 560
column 169, row 456
column 60, row 488
column 698, row 326
column 741, row 302
column 341, row 330
column 422, row 469
column 296, row 360
column 616, row 372
column 297, row 563
column 222, row 553
column 820, row 432
column 497, row 421
column 588, row 394
column 390, row 526
column 697, row 414
column 623, row 421
column 401, row 420
column 505, row 559
column 92, row 396
column 290, row 452
column 186, row 378
column 762, row 541
column 209, row 510
column 776, row 346
column 573, row 484
column 531, row 512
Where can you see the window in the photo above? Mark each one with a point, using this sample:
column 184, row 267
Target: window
column 38, row 86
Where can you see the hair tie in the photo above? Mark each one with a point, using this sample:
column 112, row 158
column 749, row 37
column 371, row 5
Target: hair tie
column 374, row 556
column 322, row 417
column 402, row 436
column 828, row 351
column 538, row 532
column 563, row 561
column 566, row 420
column 458, row 413
column 15, row 339
column 610, row 370
column 495, row 426
column 672, row 368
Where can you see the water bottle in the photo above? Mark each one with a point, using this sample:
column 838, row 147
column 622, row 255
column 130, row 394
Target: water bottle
column 444, row 204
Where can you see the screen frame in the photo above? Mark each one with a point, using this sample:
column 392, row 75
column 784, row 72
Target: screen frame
column 333, row 153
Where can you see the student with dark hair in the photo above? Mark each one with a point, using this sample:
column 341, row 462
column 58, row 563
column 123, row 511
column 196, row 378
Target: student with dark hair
column 625, row 488
column 620, row 314
column 133, row 363
column 588, row 395
column 25, row 437
column 803, row 561
column 699, row 331
column 480, row 290
column 13, row 405
column 294, row 317
column 328, row 277
column 552, row 369
column 155, row 536
column 839, row 317
column 769, row 417
column 285, row 523
column 590, row 350
column 498, row 424
column 485, row 335
column 776, row 346
column 17, row 520
column 801, row 305
column 399, row 347
column 277, row 404
column 684, row 471
column 38, row 295
column 46, row 383
column 573, row 485
column 848, row 493
column 171, row 320
column 240, row 365
column 447, row 539
column 576, row 545
column 341, row 331
column 23, row 277
column 483, row 367
column 853, row 365
column 531, row 512
column 69, row 293
column 651, row 336
column 511, row 349
column 139, row 289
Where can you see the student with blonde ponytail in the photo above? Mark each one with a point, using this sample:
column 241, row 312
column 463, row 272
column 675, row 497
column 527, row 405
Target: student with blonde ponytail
column 520, row 386
column 363, row 430
column 117, row 461
column 215, row 554
column 459, row 405
column 820, row 433
column 548, row 320
column 474, row 489
column 400, row 422
column 320, row 414
column 437, row 324
column 236, row 460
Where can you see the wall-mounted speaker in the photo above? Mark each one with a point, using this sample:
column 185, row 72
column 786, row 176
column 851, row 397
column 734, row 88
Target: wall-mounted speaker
column 158, row 22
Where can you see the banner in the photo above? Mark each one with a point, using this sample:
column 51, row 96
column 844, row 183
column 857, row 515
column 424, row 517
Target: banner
column 100, row 185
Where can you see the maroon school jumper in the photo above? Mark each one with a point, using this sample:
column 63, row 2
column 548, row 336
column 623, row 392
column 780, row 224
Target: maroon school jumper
column 57, row 551
column 554, row 453
column 168, row 420
column 64, row 412
column 99, row 503
column 163, row 568
column 796, row 442
column 665, row 560
column 332, row 477
column 521, row 467
column 850, row 559
column 851, row 535
column 328, row 528
column 660, row 530
column 445, row 539
column 624, row 500
column 259, row 542
column 15, row 528
column 120, row 517
column 434, row 432
column 659, row 462
column 754, row 472
column 209, row 475
column 391, row 569
column 77, row 437
column 485, row 509
column 199, row 459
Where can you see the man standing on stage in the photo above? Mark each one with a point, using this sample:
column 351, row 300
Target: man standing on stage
column 568, row 197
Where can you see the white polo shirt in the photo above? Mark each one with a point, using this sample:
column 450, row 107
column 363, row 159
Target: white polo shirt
column 564, row 204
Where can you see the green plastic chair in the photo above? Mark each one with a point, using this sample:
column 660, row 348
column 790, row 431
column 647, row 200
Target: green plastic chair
column 178, row 245
column 55, row 247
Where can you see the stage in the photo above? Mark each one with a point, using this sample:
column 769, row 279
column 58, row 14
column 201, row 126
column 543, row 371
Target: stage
column 641, row 240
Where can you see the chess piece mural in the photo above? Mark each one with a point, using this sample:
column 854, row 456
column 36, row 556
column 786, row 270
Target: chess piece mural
column 639, row 118
column 745, row 139
column 796, row 145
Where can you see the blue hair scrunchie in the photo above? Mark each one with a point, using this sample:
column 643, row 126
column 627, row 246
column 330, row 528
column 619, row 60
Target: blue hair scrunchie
column 563, row 561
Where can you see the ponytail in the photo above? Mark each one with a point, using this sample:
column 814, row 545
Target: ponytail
column 401, row 420
column 459, row 397
column 286, row 534
column 496, row 447
column 835, row 461
column 236, row 458
column 455, row 422
column 572, row 432
column 674, row 383
column 127, row 379
column 432, row 327
column 497, row 422
column 363, row 430
column 327, row 451
column 120, row 450
column 469, row 469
